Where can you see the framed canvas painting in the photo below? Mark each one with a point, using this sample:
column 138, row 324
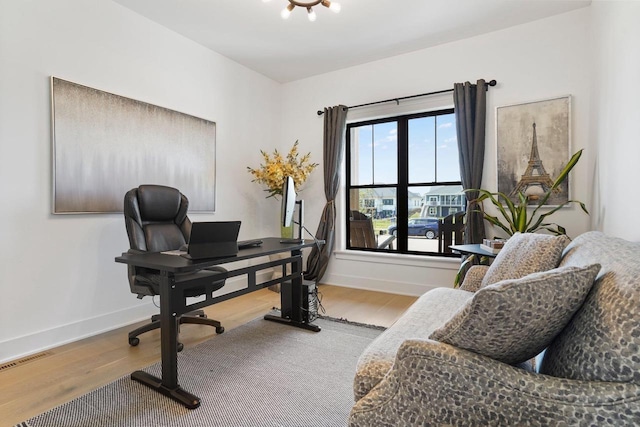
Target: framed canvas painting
column 533, row 144
column 106, row 144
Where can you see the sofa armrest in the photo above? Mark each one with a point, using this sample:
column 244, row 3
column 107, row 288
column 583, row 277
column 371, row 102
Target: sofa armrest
column 473, row 278
column 432, row 383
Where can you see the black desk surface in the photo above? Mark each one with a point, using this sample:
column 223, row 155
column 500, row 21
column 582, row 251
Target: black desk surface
column 179, row 264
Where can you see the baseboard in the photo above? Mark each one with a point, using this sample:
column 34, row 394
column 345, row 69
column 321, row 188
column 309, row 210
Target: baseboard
column 379, row 285
column 37, row 342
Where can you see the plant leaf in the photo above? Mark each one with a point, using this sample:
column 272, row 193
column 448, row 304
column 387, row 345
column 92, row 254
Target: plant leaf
column 457, row 281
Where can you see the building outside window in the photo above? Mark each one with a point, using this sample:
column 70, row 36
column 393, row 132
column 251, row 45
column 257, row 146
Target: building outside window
column 403, row 175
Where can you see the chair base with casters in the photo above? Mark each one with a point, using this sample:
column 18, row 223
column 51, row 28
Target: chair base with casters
column 197, row 283
column 197, row 317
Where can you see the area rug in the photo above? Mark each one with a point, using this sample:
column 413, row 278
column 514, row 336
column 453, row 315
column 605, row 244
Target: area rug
column 260, row 374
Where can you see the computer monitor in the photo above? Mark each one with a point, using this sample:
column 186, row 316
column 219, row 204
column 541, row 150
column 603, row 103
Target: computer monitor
column 288, row 201
column 288, row 209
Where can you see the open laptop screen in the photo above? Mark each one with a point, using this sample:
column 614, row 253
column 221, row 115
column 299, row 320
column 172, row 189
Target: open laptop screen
column 213, row 239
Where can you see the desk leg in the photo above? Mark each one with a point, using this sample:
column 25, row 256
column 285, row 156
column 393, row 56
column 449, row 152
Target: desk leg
column 168, row 385
column 296, row 298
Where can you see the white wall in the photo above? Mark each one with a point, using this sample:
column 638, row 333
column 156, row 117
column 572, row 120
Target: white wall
column 615, row 116
column 540, row 60
column 58, row 277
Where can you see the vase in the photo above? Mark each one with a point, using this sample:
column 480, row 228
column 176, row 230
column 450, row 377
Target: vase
column 286, row 232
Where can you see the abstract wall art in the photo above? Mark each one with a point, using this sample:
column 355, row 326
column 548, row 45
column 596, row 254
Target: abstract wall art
column 106, row 144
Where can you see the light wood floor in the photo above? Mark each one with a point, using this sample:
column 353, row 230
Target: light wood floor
column 61, row 374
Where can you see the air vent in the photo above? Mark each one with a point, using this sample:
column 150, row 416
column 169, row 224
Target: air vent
column 24, row 360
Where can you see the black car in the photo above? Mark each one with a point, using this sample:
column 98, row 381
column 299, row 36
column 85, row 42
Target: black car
column 427, row 227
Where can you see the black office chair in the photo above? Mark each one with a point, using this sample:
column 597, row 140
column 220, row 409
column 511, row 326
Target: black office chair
column 156, row 220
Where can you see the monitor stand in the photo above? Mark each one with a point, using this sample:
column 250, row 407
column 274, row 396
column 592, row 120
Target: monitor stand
column 299, row 239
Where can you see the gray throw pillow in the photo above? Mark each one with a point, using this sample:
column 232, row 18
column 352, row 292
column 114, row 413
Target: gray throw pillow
column 523, row 254
column 514, row 320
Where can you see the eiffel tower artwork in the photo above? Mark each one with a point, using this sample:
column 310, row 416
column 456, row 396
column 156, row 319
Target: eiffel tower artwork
column 535, row 175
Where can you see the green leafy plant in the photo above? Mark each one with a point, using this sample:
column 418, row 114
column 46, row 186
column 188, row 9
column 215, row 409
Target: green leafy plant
column 519, row 216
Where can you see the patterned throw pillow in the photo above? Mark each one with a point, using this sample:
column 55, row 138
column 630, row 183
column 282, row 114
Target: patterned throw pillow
column 523, row 254
column 514, row 320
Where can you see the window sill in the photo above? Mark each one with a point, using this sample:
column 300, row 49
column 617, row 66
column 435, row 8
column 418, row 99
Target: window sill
column 446, row 263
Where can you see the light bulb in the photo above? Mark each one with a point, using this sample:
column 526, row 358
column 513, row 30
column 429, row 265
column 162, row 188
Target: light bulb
column 287, row 11
column 335, row 7
column 311, row 15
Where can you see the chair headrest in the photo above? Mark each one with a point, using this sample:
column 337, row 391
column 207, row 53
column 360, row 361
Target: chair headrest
column 160, row 203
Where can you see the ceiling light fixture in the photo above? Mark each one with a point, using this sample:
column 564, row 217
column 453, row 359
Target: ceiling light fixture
column 311, row 14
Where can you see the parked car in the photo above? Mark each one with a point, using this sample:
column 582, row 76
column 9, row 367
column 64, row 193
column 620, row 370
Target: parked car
column 427, row 227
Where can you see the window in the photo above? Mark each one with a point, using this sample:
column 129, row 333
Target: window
column 403, row 175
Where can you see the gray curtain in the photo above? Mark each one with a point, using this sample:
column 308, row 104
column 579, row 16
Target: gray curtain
column 334, row 127
column 470, row 104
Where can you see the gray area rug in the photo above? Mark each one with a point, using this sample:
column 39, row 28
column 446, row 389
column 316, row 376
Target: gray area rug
column 259, row 374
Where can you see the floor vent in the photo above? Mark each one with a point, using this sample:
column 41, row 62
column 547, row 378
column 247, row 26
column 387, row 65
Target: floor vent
column 24, row 360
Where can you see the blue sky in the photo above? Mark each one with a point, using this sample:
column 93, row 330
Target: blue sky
column 428, row 137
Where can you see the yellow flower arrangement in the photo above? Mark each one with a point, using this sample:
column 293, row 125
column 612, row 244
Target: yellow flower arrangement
column 275, row 168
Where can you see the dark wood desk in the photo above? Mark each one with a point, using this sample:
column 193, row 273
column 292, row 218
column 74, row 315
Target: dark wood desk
column 173, row 302
column 473, row 249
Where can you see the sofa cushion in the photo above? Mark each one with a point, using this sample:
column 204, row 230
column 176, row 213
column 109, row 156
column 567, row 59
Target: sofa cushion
column 429, row 312
column 602, row 341
column 523, row 254
column 514, row 320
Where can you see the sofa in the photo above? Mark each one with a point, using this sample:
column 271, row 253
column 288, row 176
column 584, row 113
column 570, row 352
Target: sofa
column 547, row 335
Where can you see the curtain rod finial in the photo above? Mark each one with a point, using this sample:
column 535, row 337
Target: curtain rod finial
column 320, row 112
column 493, row 83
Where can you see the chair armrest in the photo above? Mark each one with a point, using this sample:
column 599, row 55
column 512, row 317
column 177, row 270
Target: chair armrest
column 432, row 383
column 223, row 271
column 473, row 278
column 387, row 242
column 136, row 251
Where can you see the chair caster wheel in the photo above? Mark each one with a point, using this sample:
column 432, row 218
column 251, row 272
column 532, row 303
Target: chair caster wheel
column 134, row 341
column 219, row 329
column 180, row 347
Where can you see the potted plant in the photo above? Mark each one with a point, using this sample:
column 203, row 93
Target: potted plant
column 522, row 216
column 519, row 217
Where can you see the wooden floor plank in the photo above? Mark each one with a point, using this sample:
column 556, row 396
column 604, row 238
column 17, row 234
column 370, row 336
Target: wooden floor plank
column 74, row 369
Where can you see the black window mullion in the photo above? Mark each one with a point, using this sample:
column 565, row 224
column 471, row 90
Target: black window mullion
column 348, row 180
column 402, row 194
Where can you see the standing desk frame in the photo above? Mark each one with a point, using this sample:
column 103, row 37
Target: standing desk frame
column 173, row 302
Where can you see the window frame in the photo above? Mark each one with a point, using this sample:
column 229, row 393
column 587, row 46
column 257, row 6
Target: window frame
column 402, row 186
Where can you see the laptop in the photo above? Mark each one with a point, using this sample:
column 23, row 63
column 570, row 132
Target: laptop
column 214, row 239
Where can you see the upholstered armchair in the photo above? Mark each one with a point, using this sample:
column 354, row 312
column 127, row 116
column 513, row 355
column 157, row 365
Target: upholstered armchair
column 455, row 357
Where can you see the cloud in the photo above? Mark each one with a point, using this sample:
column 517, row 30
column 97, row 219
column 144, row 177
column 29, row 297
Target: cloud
column 445, row 125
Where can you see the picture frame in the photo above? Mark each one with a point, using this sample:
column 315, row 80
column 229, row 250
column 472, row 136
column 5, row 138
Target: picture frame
column 104, row 144
column 533, row 143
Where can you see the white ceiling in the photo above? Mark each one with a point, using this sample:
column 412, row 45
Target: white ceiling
column 252, row 33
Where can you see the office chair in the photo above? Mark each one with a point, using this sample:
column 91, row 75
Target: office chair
column 156, row 220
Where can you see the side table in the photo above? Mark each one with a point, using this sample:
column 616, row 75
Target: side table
column 472, row 249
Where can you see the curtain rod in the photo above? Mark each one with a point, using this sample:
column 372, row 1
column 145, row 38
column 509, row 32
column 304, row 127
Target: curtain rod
column 397, row 100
